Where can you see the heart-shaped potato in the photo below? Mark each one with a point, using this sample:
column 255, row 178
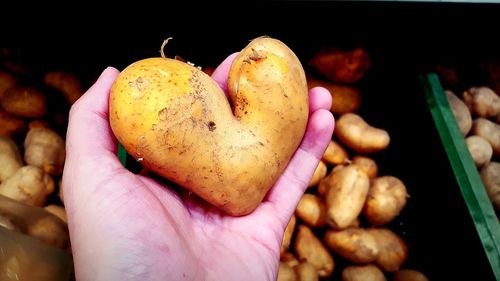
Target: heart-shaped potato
column 179, row 123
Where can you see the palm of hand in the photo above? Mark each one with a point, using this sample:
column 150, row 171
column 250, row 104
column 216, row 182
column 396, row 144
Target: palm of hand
column 164, row 236
column 130, row 227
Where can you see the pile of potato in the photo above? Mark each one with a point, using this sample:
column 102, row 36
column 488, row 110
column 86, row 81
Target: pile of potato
column 345, row 211
column 477, row 111
column 32, row 151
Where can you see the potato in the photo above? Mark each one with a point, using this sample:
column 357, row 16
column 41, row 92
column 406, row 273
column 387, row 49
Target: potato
column 488, row 130
column 61, row 193
column 24, row 102
column 10, row 158
column 354, row 132
column 355, row 223
column 386, row 198
column 10, row 125
column 409, row 275
column 344, row 98
column 50, row 230
column 335, row 153
column 7, row 81
column 45, row 149
column 346, row 195
column 287, row 236
column 310, row 249
column 29, row 185
column 393, row 251
column 268, row 92
column 324, row 185
column 460, row 111
column 341, row 66
column 306, row 272
column 57, row 211
column 367, row 272
column 480, row 150
column 311, row 210
column 67, row 83
column 482, row 101
column 286, row 273
column 366, row 164
column 354, row 244
column 289, row 259
column 319, row 173
column 490, row 174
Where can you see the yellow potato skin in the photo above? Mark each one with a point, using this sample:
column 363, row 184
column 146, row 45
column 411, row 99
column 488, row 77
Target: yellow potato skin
column 177, row 121
column 354, row 132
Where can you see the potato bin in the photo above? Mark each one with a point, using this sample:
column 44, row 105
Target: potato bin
column 470, row 183
column 437, row 225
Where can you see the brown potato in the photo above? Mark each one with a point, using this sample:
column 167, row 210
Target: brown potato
column 289, row 259
column 287, row 236
column 386, row 198
column 366, row 164
column 24, row 102
column 10, row 158
column 355, row 223
column 50, row 230
column 335, row 153
column 7, row 81
column 29, row 185
column 311, row 210
column 67, row 83
column 45, row 149
column 480, row 150
column 460, row 111
column 341, row 66
column 344, row 98
column 409, row 275
column 490, row 174
column 10, row 125
column 268, row 90
column 306, row 272
column 393, row 251
column 367, row 272
column 346, row 195
column 286, row 273
column 482, row 101
column 354, row 244
column 61, row 192
column 310, row 249
column 488, row 130
column 57, row 211
column 319, row 173
column 354, row 132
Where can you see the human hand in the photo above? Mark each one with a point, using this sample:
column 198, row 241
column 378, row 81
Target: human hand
column 125, row 226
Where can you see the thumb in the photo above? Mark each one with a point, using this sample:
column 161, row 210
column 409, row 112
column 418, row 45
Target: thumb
column 90, row 143
column 88, row 127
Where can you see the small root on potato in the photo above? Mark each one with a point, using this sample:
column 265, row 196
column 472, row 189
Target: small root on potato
column 162, row 53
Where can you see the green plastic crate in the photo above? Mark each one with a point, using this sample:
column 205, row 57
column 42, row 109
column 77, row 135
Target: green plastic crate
column 469, row 181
